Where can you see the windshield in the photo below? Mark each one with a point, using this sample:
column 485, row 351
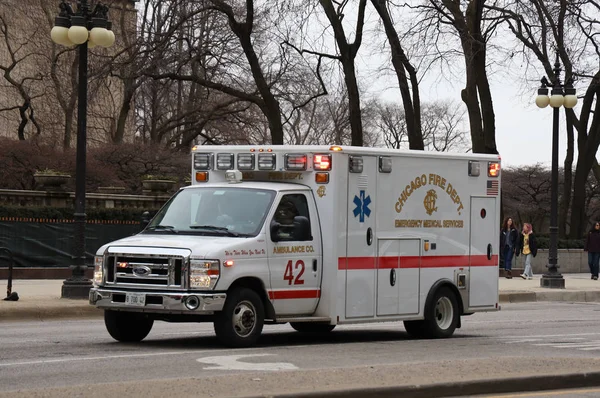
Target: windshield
column 236, row 212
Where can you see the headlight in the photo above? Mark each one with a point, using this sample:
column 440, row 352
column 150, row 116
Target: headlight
column 204, row 273
column 98, row 269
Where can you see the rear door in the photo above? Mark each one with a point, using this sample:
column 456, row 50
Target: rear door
column 483, row 281
column 361, row 242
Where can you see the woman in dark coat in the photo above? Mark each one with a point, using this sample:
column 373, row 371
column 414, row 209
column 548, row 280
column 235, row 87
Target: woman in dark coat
column 592, row 246
column 508, row 244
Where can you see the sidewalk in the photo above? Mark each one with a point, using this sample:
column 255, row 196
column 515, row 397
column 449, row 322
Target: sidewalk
column 40, row 299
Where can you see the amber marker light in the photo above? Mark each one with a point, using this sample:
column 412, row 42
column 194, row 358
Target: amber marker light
column 322, row 178
column 201, row 176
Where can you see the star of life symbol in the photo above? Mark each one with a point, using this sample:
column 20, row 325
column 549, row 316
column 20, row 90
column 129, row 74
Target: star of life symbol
column 362, row 206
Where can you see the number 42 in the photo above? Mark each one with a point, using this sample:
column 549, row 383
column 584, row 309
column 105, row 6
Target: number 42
column 288, row 275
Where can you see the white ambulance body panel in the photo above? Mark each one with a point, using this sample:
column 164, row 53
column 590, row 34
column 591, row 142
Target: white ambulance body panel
column 384, row 232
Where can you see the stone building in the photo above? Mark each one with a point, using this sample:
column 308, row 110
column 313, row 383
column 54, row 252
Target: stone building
column 38, row 79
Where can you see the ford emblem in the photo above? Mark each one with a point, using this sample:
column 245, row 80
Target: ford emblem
column 142, row 271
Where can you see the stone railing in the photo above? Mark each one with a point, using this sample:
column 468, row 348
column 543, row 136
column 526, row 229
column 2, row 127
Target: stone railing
column 569, row 261
column 10, row 197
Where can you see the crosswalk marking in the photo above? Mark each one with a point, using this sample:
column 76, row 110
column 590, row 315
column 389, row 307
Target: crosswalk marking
column 589, row 343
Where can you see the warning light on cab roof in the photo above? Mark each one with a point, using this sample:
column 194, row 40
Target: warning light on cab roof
column 335, row 148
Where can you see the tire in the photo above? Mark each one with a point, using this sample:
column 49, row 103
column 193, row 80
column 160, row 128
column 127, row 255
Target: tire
column 443, row 316
column 241, row 321
column 312, row 327
column 127, row 327
column 415, row 328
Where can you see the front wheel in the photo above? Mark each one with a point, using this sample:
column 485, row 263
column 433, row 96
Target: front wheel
column 443, row 316
column 312, row 327
column 127, row 327
column 240, row 323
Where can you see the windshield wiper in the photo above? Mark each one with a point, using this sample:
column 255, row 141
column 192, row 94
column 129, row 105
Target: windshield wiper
column 218, row 229
column 169, row 228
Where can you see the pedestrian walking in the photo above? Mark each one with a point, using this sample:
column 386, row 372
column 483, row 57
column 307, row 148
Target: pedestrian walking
column 592, row 246
column 528, row 248
column 508, row 243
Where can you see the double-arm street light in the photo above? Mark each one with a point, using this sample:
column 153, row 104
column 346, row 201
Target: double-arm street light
column 561, row 95
column 86, row 28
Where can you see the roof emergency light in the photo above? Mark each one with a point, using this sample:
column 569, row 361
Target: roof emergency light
column 385, row 164
column 493, row 169
column 266, row 161
column 356, row 164
column 245, row 161
column 234, row 176
column 322, row 162
column 224, row 161
column 474, row 168
column 203, row 161
column 295, row 162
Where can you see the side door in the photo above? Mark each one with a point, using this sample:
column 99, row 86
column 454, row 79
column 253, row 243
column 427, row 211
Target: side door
column 361, row 272
column 483, row 245
column 294, row 254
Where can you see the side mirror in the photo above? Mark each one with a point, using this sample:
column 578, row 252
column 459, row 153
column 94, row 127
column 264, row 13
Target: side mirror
column 275, row 231
column 145, row 220
column 301, row 228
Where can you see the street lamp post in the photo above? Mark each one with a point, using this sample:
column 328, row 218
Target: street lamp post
column 561, row 95
column 85, row 28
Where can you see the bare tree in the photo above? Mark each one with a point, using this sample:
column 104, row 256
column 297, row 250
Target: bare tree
column 443, row 129
column 540, row 25
column 474, row 25
column 20, row 78
column 402, row 67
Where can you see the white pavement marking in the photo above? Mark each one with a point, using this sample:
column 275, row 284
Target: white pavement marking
column 230, row 362
column 99, row 358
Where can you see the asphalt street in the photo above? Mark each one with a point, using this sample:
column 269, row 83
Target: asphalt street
column 522, row 338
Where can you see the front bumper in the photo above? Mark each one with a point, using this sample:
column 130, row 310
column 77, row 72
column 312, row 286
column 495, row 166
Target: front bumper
column 159, row 302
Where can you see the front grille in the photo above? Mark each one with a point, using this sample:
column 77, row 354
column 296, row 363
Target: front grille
column 154, row 272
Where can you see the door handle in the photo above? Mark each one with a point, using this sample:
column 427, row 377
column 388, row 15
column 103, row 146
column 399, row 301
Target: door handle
column 315, row 265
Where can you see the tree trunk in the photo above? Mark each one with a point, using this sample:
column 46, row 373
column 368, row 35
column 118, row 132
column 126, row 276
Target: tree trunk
column 354, row 111
column 412, row 106
column 23, row 113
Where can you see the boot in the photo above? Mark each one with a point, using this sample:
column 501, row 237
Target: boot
column 508, row 275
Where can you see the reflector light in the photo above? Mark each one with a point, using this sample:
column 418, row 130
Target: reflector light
column 356, row 164
column 203, row 161
column 201, row 176
column 228, row 263
column 295, row 162
column 322, row 162
column 266, row 161
column 493, row 169
column 322, row 178
column 474, row 168
column 224, row 161
column 335, row 148
column 245, row 161
column 385, row 164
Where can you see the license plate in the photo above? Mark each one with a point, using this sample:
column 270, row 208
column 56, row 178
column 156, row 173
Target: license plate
column 135, row 299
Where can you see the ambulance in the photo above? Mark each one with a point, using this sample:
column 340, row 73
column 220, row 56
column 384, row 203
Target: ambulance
column 313, row 236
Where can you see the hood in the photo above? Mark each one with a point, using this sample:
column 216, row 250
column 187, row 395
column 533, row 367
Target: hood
column 200, row 246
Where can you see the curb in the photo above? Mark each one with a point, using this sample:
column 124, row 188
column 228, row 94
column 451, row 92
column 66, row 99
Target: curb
column 581, row 296
column 14, row 312
column 475, row 387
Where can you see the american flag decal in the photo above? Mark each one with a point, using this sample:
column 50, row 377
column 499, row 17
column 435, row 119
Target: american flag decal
column 492, row 187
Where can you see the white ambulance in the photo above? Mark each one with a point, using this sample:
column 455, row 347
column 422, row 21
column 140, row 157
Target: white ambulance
column 316, row 236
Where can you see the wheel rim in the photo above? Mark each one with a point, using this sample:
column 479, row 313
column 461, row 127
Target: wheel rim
column 244, row 318
column 444, row 312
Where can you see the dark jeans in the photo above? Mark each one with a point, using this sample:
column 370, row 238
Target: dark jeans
column 507, row 254
column 593, row 259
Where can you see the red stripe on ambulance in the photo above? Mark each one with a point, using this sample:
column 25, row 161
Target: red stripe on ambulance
column 294, row 294
column 366, row 263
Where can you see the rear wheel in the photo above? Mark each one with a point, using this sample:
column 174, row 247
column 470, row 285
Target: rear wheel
column 127, row 326
column 443, row 316
column 312, row 327
column 240, row 323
